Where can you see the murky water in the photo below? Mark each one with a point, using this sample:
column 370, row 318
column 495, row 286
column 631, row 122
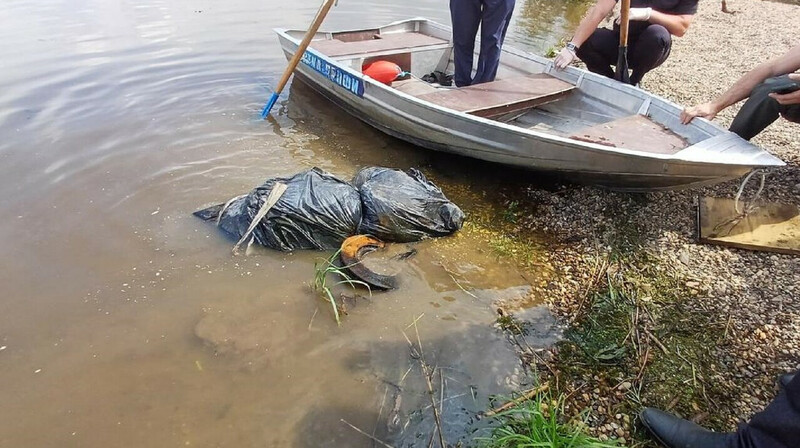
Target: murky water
column 126, row 321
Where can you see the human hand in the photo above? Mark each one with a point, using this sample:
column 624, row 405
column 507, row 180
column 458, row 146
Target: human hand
column 707, row 111
column 791, row 97
column 638, row 14
column 564, row 58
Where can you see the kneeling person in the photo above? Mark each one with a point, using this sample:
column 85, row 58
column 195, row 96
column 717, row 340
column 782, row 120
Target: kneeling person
column 652, row 25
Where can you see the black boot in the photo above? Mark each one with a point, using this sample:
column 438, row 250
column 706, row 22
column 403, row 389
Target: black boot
column 674, row 432
column 784, row 380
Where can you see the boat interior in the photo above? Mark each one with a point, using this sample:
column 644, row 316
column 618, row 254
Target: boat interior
column 526, row 93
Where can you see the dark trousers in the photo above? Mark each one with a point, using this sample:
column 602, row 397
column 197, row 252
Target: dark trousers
column 777, row 426
column 760, row 111
column 493, row 16
column 648, row 47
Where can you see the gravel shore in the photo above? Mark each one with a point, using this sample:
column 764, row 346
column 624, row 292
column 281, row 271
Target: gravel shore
column 759, row 291
column 752, row 298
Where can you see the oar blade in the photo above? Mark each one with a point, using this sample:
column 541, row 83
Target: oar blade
column 272, row 100
column 621, row 73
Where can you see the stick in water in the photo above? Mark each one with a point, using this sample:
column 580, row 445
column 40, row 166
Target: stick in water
column 526, row 396
column 323, row 11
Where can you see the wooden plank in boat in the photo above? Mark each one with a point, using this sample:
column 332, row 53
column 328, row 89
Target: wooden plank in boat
column 633, row 132
column 414, row 87
column 381, row 43
column 496, row 98
column 352, row 36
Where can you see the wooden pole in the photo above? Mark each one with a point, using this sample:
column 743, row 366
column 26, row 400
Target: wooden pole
column 312, row 30
column 624, row 22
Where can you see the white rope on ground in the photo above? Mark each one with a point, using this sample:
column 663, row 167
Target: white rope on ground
column 277, row 191
column 751, row 207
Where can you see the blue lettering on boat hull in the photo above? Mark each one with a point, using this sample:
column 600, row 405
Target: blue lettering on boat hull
column 336, row 74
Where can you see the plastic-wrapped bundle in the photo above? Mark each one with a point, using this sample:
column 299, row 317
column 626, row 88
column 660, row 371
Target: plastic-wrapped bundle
column 310, row 210
column 402, row 207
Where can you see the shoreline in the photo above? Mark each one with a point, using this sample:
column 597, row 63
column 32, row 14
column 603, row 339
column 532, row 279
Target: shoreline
column 645, row 246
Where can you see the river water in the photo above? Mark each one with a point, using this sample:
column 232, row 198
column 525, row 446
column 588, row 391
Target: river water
column 125, row 321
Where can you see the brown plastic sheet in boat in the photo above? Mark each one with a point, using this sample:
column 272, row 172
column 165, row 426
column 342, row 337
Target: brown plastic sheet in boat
column 770, row 227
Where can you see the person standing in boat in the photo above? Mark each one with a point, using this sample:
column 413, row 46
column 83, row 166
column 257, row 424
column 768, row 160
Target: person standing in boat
column 493, row 16
column 772, row 89
column 652, row 25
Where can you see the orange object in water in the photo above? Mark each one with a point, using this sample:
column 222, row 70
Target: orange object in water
column 382, row 71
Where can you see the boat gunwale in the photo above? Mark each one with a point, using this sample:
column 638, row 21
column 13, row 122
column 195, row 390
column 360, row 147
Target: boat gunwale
column 704, row 125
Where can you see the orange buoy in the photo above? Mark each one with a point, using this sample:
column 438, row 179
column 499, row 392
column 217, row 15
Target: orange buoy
column 382, row 71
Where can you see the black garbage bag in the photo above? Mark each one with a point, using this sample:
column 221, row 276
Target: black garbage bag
column 403, row 207
column 316, row 211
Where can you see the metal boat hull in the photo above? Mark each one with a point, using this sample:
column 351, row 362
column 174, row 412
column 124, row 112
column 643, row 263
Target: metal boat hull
column 715, row 155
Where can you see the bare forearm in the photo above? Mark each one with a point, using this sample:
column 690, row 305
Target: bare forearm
column 589, row 24
column 788, row 63
column 741, row 89
column 675, row 24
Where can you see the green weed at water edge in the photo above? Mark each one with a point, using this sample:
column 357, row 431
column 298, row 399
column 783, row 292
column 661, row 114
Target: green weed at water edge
column 328, row 266
column 539, row 422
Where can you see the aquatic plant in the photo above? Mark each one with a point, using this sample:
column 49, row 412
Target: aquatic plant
column 322, row 269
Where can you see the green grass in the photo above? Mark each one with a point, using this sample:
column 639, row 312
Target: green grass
column 512, row 212
column 325, row 267
column 539, row 422
column 602, row 334
column 609, row 338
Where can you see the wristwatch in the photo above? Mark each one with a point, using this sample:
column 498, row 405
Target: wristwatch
column 572, row 47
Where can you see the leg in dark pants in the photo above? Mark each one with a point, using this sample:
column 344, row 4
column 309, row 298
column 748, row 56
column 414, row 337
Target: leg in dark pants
column 777, row 426
column 494, row 24
column 466, row 17
column 599, row 52
column 760, row 110
column 649, row 50
column 648, row 47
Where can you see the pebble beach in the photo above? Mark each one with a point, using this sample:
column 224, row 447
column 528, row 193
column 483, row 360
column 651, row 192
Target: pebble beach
column 749, row 300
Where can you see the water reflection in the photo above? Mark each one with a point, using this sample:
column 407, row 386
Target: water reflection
column 120, row 118
column 542, row 24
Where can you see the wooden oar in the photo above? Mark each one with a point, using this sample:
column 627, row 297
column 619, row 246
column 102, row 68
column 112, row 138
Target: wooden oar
column 312, row 30
column 621, row 73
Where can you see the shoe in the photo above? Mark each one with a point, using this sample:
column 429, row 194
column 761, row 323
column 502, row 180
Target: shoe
column 674, row 432
column 784, row 380
column 441, row 78
column 430, row 78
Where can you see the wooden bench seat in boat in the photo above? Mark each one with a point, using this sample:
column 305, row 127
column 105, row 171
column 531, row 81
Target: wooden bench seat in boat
column 381, row 44
column 501, row 97
column 636, row 132
column 414, row 87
